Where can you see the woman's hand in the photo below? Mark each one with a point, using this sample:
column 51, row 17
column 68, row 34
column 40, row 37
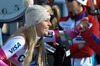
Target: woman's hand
column 84, row 24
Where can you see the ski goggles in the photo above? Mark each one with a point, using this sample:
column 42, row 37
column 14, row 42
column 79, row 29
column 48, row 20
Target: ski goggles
column 69, row 0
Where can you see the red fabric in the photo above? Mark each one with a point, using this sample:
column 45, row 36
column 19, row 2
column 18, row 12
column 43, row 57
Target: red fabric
column 88, row 3
column 87, row 50
column 84, row 52
column 97, row 3
column 95, row 26
column 54, row 44
column 91, row 42
column 3, row 63
column 74, row 47
column 50, row 2
column 9, row 63
column 87, row 35
column 2, row 55
column 98, row 7
column 63, row 19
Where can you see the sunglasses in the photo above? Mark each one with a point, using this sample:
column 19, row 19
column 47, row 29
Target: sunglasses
column 69, row 0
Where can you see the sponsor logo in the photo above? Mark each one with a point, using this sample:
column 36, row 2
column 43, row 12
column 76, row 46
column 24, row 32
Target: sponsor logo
column 15, row 47
column 21, row 58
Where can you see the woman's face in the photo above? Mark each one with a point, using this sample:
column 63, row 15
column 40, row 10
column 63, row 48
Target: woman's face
column 43, row 27
column 72, row 6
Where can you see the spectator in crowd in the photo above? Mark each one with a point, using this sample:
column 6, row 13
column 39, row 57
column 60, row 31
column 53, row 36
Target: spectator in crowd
column 81, row 52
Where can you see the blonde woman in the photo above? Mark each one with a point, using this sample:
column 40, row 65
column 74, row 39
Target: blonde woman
column 21, row 45
column 26, row 47
column 55, row 14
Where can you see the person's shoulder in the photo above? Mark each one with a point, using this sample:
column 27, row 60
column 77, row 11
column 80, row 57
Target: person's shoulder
column 21, row 36
column 91, row 17
column 17, row 40
column 18, row 37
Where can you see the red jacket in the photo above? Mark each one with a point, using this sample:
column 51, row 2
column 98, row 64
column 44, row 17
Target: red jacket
column 86, row 51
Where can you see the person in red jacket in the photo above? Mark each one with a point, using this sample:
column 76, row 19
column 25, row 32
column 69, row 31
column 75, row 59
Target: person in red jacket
column 80, row 49
column 95, row 5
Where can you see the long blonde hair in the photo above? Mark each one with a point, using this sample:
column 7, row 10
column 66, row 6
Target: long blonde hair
column 30, row 34
column 31, row 40
column 55, row 12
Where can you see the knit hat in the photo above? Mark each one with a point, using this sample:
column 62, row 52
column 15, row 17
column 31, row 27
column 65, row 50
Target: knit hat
column 35, row 14
column 83, row 2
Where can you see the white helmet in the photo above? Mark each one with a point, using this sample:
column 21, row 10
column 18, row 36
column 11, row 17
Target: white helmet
column 83, row 2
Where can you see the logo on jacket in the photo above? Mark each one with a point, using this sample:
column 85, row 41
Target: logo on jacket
column 69, row 24
column 15, row 47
